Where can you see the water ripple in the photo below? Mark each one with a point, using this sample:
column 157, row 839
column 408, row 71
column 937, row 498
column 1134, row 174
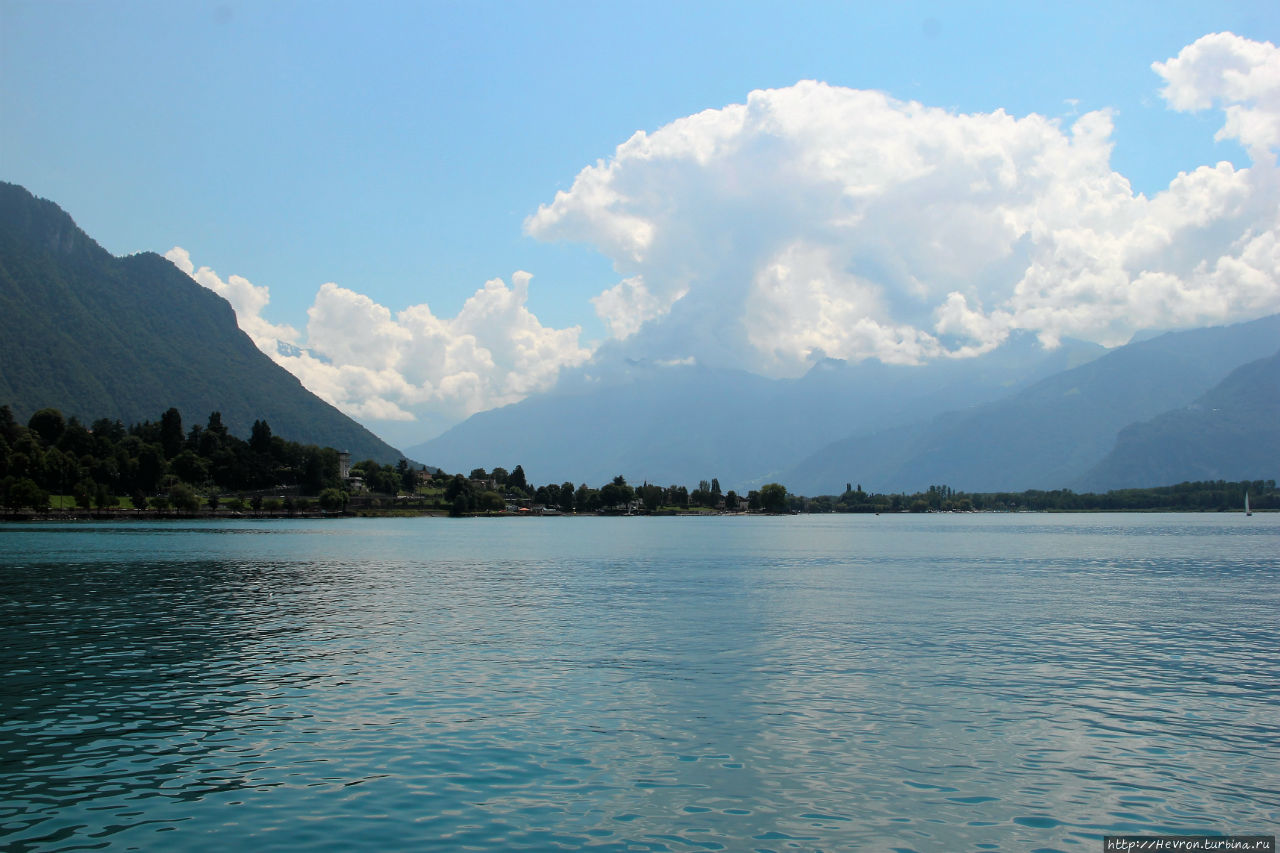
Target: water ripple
column 904, row 683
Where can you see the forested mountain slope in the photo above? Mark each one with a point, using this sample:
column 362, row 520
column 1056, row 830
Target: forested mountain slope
column 1232, row 432
column 98, row 336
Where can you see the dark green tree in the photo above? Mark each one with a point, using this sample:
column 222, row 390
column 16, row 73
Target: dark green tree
column 48, row 424
column 617, row 493
column 566, row 497
column 171, row 434
column 333, row 500
column 183, row 498
column 516, row 480
column 260, row 437
column 773, row 497
column 22, row 492
column 652, row 497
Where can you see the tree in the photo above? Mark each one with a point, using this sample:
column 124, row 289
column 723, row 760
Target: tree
column 516, row 480
column 333, row 499
column 48, row 424
column 652, row 497
column 102, row 497
column 456, row 488
column 24, row 492
column 83, row 493
column 183, row 498
column 566, row 497
column 408, row 476
column 773, row 497
column 215, row 425
column 75, row 440
column 150, row 467
column 617, row 493
column 171, row 434
column 260, row 437
column 8, row 424
column 190, row 467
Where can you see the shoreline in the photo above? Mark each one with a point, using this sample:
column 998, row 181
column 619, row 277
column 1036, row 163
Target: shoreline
column 152, row 515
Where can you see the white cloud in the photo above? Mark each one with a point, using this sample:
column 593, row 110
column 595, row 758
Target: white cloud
column 411, row 366
column 818, row 220
column 1239, row 75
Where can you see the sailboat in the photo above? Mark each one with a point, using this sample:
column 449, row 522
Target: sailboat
column 1247, row 511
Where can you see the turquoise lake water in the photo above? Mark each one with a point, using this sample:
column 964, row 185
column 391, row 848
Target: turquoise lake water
column 911, row 683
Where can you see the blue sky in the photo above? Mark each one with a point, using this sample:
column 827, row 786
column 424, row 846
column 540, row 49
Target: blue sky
column 398, row 149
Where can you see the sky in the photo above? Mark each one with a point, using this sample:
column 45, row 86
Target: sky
column 428, row 209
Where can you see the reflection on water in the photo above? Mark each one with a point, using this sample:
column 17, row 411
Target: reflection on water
column 905, row 683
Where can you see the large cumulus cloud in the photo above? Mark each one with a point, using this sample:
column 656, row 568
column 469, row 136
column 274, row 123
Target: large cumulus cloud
column 818, row 220
column 412, row 366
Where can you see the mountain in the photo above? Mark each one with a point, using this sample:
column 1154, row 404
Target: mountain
column 682, row 423
column 1049, row 434
column 98, row 336
column 1232, row 432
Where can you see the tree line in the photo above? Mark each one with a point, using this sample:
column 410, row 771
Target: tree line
column 164, row 464
column 1202, row 496
column 490, row 491
column 157, row 463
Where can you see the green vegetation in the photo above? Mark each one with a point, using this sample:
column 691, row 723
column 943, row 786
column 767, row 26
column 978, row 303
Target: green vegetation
column 153, row 464
column 1208, row 496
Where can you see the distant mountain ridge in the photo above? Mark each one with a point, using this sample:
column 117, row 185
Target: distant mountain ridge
column 1231, row 432
column 1015, row 419
column 1053, row 432
column 679, row 424
column 98, row 336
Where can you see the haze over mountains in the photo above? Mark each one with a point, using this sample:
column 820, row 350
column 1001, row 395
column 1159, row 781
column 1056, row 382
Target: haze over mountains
column 1017, row 418
column 1231, row 431
column 98, row 336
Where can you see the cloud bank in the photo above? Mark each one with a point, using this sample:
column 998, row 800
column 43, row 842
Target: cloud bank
column 412, row 366
column 818, row 220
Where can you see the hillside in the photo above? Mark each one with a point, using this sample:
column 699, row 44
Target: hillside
column 1232, row 432
column 94, row 335
column 1048, row 435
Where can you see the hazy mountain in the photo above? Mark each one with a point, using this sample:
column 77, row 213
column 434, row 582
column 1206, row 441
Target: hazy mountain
column 98, row 336
column 1232, row 432
column 679, row 424
column 1047, row 435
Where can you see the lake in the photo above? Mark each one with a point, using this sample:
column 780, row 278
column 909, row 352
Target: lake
column 905, row 682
